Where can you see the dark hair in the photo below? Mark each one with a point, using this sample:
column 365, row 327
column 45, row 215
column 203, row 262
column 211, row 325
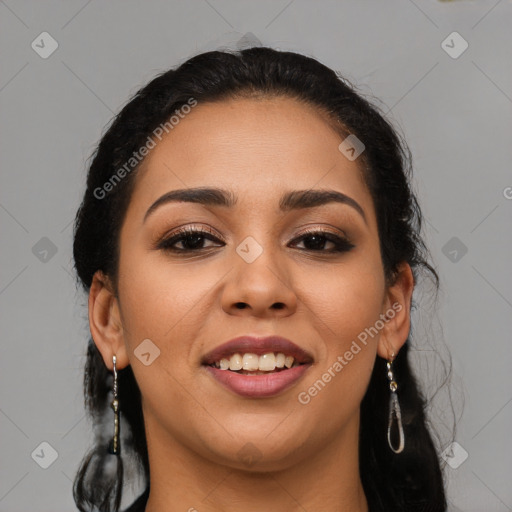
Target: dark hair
column 410, row 481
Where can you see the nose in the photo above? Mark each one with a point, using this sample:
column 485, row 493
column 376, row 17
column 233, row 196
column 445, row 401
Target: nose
column 260, row 289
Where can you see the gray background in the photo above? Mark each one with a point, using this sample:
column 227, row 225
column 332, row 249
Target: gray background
column 454, row 113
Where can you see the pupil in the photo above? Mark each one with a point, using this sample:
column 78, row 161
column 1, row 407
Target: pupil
column 314, row 242
column 193, row 241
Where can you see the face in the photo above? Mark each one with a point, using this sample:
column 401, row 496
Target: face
column 196, row 273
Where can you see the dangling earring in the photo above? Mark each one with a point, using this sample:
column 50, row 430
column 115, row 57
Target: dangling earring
column 394, row 409
column 114, row 446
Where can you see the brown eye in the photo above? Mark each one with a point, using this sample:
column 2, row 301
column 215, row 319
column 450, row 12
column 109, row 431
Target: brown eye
column 323, row 241
column 188, row 240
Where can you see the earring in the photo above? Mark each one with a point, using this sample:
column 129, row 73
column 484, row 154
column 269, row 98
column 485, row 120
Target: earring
column 114, row 443
column 394, row 409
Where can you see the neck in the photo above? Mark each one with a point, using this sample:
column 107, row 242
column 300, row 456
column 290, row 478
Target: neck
column 182, row 480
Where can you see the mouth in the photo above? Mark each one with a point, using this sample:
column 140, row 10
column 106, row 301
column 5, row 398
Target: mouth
column 258, row 367
column 252, row 364
column 257, row 355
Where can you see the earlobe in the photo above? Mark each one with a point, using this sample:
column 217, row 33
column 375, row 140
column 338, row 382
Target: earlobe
column 105, row 321
column 397, row 308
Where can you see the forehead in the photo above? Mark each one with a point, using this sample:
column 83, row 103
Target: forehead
column 257, row 147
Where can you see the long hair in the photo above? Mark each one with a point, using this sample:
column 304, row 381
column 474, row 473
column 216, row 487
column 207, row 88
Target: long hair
column 410, row 481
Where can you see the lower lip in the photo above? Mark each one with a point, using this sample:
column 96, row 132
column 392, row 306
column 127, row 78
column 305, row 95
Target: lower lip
column 258, row 386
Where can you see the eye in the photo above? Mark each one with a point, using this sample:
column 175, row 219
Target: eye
column 190, row 239
column 322, row 241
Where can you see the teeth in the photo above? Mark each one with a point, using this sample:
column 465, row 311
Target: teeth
column 267, row 362
column 253, row 363
column 236, row 362
column 250, row 362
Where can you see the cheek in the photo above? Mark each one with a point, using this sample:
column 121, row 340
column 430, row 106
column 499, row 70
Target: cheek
column 161, row 302
column 165, row 305
column 345, row 301
column 345, row 305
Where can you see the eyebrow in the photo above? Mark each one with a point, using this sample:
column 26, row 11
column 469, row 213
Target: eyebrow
column 294, row 200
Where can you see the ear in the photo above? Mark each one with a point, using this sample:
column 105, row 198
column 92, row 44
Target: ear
column 397, row 308
column 105, row 321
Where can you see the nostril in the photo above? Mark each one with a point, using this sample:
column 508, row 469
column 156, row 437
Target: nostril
column 243, row 305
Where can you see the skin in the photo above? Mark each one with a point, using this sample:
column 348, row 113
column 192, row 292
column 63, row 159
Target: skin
column 186, row 305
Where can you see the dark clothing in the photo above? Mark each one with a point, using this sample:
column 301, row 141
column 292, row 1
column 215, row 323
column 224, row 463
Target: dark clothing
column 140, row 504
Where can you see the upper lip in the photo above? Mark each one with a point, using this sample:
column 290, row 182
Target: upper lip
column 258, row 346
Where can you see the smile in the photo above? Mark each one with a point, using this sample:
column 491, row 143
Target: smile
column 257, row 367
column 252, row 364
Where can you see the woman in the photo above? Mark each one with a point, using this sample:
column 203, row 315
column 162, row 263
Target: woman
column 250, row 244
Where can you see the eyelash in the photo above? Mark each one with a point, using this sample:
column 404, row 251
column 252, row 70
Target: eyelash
column 341, row 244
